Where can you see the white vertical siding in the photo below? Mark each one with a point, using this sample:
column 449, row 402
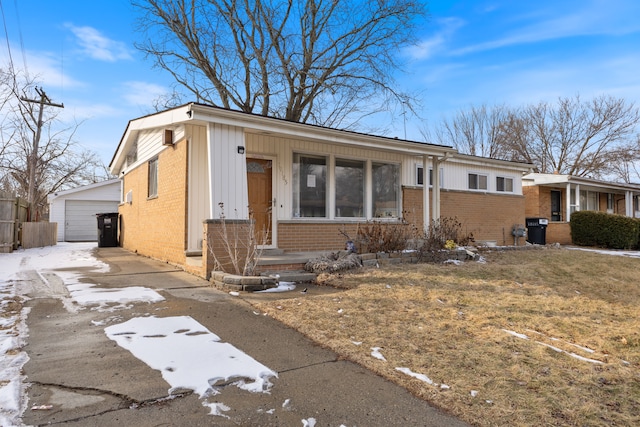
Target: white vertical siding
column 227, row 172
column 456, row 171
column 199, row 200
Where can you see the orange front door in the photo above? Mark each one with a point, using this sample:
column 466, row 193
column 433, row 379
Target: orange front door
column 259, row 182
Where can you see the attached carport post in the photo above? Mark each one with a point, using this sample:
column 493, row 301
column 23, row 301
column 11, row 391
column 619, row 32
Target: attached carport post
column 437, row 161
column 435, row 191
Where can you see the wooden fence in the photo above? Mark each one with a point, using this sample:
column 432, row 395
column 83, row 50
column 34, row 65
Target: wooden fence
column 39, row 234
column 16, row 232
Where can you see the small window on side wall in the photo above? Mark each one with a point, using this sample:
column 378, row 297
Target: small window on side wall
column 504, row 184
column 153, row 178
column 477, row 181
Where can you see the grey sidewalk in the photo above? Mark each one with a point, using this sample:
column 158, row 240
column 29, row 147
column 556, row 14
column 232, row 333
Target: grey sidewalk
column 90, row 381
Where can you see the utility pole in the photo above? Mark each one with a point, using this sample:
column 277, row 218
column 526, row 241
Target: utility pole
column 32, row 160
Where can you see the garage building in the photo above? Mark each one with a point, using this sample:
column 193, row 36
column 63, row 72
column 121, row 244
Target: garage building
column 75, row 210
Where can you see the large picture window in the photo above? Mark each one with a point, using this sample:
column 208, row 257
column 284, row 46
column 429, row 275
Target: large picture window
column 349, row 188
column 153, row 178
column 309, row 186
column 385, row 191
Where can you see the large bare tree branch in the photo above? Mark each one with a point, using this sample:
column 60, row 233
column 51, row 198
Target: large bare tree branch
column 301, row 60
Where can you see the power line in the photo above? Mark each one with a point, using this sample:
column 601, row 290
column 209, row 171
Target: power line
column 24, row 56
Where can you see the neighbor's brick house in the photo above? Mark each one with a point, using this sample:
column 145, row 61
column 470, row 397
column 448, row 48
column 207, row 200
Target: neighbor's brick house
column 555, row 197
column 303, row 183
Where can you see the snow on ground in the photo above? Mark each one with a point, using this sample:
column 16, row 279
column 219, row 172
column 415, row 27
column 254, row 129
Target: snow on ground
column 632, row 254
column 168, row 344
column 159, row 342
column 556, row 349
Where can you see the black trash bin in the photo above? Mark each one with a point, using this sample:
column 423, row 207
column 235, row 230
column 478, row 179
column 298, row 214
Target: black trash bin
column 107, row 229
column 537, row 230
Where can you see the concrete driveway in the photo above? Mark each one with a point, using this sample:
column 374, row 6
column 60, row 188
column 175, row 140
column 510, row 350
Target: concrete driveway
column 78, row 376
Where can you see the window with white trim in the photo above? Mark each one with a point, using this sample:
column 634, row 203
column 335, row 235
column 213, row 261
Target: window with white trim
column 152, row 190
column 309, row 186
column 504, row 184
column 349, row 179
column 477, row 181
column 386, row 190
column 589, row 201
column 420, row 176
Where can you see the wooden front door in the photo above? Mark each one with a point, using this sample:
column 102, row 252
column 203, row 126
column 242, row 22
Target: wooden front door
column 259, row 182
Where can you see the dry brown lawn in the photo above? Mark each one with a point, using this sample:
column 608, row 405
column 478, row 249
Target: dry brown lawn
column 530, row 338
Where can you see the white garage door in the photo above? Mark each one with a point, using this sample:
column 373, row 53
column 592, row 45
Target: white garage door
column 81, row 224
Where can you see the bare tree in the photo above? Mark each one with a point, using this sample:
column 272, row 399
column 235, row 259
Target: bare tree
column 575, row 137
column 58, row 162
column 596, row 138
column 326, row 62
column 476, row 131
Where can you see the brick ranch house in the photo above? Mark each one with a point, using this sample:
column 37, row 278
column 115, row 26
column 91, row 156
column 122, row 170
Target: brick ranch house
column 303, row 183
column 555, row 197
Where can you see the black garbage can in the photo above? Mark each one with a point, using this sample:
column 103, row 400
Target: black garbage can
column 537, row 230
column 107, row 229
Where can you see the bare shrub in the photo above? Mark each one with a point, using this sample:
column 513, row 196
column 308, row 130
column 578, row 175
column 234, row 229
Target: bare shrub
column 444, row 233
column 333, row 263
column 241, row 245
column 378, row 236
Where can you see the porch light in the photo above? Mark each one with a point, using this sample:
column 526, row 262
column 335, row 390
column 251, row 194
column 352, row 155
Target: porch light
column 240, row 149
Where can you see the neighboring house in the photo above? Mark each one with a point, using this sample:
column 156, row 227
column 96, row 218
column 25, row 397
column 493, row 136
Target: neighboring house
column 75, row 210
column 303, row 183
column 555, row 197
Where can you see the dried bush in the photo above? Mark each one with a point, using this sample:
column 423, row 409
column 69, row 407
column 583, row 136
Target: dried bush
column 378, row 236
column 242, row 246
column 333, row 263
column 444, row 233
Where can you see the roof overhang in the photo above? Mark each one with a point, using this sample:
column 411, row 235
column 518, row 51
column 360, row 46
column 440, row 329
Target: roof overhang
column 558, row 180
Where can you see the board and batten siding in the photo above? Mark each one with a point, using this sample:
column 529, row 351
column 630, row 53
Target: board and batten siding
column 455, row 175
column 199, row 200
column 227, row 171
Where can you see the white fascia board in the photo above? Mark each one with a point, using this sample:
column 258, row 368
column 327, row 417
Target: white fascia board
column 549, row 179
column 277, row 127
column 158, row 120
column 489, row 162
column 57, row 194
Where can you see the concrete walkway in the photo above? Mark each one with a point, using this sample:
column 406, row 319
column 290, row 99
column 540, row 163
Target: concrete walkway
column 90, row 381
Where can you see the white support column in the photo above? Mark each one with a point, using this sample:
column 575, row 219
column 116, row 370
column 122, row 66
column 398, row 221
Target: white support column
column 435, row 191
column 568, row 203
column 578, row 207
column 426, row 217
column 628, row 203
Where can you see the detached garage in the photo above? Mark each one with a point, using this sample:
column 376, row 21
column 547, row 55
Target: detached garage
column 75, row 210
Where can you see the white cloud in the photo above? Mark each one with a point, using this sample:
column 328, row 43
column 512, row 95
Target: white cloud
column 97, row 46
column 583, row 19
column 142, row 93
column 46, row 68
column 438, row 41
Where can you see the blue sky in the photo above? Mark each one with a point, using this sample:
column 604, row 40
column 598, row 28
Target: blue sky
column 470, row 53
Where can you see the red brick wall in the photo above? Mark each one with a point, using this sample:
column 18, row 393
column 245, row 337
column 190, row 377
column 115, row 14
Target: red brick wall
column 156, row 227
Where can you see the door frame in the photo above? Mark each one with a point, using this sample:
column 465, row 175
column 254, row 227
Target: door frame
column 274, row 222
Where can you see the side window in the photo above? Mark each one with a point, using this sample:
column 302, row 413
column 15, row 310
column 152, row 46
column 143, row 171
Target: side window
column 153, row 178
column 477, row 181
column 504, row 184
